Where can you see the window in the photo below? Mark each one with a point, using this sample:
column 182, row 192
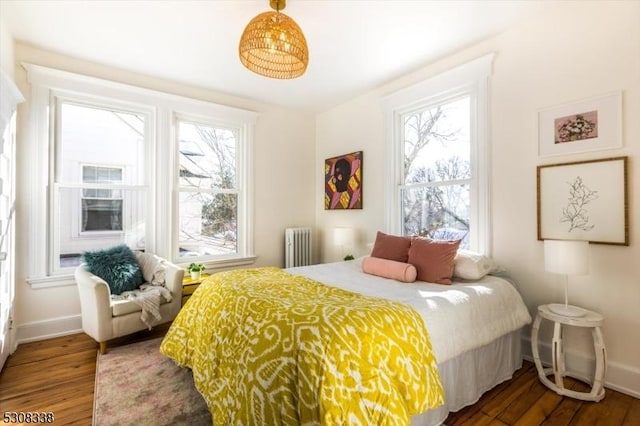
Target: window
column 11, row 97
column 101, row 208
column 97, row 207
column 437, row 158
column 437, row 171
column 113, row 163
column 209, row 195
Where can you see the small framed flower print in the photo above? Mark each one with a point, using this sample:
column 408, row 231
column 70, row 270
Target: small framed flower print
column 589, row 125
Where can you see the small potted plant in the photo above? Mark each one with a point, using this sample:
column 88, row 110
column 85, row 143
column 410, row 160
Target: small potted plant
column 195, row 269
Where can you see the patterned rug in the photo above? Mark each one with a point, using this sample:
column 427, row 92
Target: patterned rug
column 137, row 385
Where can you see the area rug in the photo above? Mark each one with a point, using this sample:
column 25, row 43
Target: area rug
column 137, row 385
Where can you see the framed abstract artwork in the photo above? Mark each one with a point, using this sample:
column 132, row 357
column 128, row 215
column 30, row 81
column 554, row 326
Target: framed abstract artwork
column 589, row 125
column 585, row 200
column 343, row 182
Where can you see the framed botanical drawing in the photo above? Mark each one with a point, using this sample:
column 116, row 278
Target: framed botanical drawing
column 585, row 200
column 589, row 125
column 343, row 182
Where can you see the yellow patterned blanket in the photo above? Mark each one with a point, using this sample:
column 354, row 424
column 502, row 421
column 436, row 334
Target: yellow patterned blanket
column 270, row 348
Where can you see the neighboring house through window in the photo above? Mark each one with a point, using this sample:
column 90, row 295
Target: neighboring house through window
column 437, row 162
column 101, row 208
column 99, row 185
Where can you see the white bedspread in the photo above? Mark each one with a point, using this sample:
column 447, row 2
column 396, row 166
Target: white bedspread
column 459, row 317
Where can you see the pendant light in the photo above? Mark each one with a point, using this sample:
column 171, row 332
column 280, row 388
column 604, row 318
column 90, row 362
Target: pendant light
column 273, row 45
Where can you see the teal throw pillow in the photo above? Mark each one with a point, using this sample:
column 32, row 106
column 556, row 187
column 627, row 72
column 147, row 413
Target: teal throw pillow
column 117, row 266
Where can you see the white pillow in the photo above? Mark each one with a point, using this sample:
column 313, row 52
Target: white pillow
column 470, row 265
column 153, row 268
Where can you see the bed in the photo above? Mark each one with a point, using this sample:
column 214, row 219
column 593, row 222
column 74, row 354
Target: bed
column 472, row 343
column 474, row 327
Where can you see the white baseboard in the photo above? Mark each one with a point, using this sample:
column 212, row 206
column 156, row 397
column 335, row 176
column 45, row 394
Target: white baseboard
column 40, row 330
column 619, row 377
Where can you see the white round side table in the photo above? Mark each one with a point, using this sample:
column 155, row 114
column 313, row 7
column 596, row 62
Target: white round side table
column 590, row 319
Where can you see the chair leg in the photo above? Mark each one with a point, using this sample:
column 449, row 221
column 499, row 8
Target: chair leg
column 103, row 348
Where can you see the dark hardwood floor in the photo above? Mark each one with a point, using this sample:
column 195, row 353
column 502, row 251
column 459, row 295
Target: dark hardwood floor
column 57, row 375
column 524, row 400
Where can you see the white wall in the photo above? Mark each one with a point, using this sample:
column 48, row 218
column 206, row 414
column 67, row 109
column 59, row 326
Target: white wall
column 6, row 49
column 355, row 126
column 282, row 189
column 565, row 55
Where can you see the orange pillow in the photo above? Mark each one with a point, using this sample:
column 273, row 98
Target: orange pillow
column 385, row 268
column 433, row 259
column 391, row 247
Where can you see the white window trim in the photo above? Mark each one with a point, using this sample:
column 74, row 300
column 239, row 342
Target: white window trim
column 47, row 83
column 472, row 78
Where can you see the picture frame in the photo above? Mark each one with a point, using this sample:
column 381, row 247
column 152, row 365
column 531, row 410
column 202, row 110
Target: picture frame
column 584, row 200
column 343, row 182
column 589, row 125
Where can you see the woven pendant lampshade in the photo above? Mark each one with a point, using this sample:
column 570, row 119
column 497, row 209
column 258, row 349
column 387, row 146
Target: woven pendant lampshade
column 273, row 45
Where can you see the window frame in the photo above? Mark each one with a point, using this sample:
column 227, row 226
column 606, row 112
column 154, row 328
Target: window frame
column 242, row 188
column 47, row 85
column 470, row 79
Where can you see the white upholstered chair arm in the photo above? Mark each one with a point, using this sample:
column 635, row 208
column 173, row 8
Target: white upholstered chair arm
column 173, row 281
column 95, row 300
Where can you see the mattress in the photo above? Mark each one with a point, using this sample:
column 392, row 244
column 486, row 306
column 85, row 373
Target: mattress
column 459, row 317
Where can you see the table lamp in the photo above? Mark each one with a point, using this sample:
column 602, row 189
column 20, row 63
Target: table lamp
column 344, row 237
column 566, row 257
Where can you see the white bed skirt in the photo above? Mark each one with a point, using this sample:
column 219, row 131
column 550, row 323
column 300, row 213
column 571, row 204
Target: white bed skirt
column 466, row 377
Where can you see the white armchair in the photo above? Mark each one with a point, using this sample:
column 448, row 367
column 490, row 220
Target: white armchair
column 104, row 318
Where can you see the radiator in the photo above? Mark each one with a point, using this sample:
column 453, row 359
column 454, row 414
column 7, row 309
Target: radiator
column 297, row 247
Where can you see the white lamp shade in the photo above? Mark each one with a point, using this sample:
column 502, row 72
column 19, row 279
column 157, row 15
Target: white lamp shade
column 343, row 236
column 566, row 257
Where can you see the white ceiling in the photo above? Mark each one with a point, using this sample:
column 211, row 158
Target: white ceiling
column 354, row 45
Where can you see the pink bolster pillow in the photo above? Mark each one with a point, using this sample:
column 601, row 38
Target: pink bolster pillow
column 404, row 272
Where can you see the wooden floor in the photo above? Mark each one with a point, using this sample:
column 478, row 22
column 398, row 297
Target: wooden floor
column 524, row 400
column 58, row 375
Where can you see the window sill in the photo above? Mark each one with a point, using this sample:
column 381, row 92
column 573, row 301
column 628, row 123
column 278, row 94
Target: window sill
column 229, row 263
column 69, row 280
column 52, row 281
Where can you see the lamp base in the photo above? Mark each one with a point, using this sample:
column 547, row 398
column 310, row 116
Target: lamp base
column 567, row 310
